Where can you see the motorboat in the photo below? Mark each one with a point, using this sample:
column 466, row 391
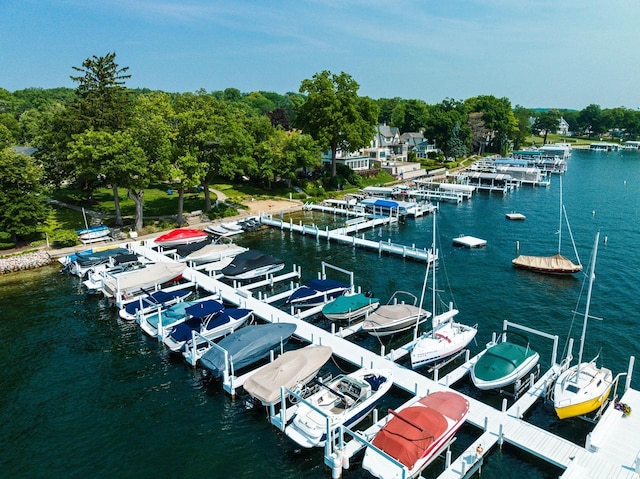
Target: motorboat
column 224, row 230
column 151, row 301
column 555, row 264
column 447, row 337
column 245, row 347
column 395, row 316
column 128, row 283
column 585, row 387
column 316, row 292
column 350, row 307
column 344, row 400
column 93, row 279
column 225, row 323
column 160, row 320
column 93, row 233
column 181, row 236
column 415, row 435
column 213, row 252
column 292, row 370
column 252, row 264
column 503, row 363
column 203, row 318
column 86, row 261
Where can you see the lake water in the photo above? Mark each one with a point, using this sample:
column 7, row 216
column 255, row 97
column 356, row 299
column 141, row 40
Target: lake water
column 85, row 394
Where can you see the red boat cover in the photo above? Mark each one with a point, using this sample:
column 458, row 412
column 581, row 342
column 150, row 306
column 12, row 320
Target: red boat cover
column 447, row 403
column 410, row 433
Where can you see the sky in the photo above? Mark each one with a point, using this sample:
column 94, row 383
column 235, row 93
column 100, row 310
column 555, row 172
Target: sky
column 537, row 53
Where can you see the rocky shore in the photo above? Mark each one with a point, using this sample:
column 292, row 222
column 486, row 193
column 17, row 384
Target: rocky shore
column 36, row 259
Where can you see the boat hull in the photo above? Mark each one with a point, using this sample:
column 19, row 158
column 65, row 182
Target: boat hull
column 577, row 396
column 446, row 341
column 497, row 369
column 392, row 319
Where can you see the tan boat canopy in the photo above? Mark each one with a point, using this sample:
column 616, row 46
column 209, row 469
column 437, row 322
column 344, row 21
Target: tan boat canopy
column 556, row 264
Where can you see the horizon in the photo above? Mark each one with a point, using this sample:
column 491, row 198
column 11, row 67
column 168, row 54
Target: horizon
column 536, row 52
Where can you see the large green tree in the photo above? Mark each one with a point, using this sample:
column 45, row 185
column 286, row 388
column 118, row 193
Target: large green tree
column 547, row 122
column 22, row 205
column 334, row 115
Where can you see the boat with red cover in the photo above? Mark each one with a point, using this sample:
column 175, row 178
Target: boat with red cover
column 415, row 435
column 181, row 236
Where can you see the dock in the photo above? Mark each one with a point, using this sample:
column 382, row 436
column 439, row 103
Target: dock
column 611, row 451
column 469, row 242
column 343, row 235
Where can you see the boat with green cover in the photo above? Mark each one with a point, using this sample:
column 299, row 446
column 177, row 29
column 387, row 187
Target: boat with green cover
column 350, row 307
column 502, row 364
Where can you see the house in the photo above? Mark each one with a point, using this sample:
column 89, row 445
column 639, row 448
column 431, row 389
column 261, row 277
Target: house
column 563, row 127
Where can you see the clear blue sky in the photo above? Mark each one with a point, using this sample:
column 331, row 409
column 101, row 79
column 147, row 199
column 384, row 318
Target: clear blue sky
column 537, row 53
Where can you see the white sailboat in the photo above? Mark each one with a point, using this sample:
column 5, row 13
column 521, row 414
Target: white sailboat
column 584, row 387
column 447, row 336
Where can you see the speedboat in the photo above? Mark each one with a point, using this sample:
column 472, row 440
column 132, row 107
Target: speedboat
column 131, row 282
column 200, row 343
column 350, row 307
column 395, row 316
column 204, row 318
column 160, row 320
column 151, row 301
column 316, row 292
column 345, row 400
column 502, row 364
column 84, row 262
column 213, row 252
column 585, row 387
column 181, row 236
column 415, row 435
column 246, row 346
column 252, row 264
column 292, row 369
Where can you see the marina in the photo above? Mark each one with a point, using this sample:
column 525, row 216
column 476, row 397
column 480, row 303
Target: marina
column 500, row 433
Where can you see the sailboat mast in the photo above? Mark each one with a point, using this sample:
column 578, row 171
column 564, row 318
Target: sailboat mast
column 592, row 276
column 560, row 219
column 433, row 294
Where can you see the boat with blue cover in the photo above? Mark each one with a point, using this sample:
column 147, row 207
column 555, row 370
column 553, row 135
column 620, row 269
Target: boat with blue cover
column 316, row 292
column 204, row 318
column 92, row 233
column 246, row 346
column 155, row 323
column 84, row 261
column 152, row 301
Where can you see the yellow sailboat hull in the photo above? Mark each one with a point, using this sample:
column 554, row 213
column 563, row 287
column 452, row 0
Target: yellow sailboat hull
column 582, row 408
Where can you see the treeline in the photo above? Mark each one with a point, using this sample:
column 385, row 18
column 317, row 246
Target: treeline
column 103, row 133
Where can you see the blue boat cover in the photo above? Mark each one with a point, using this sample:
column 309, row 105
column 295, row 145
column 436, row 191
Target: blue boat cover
column 157, row 298
column 205, row 308
column 316, row 287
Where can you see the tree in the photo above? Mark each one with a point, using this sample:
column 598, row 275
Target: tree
column 23, row 206
column 152, row 131
column 411, row 116
column 498, row 118
column 547, row 122
column 103, row 102
column 522, row 115
column 456, row 147
column 590, row 119
column 334, row 115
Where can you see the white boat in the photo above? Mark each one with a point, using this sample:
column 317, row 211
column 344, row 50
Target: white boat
column 345, row 400
column 213, row 252
column 415, row 435
column 447, row 336
column 130, row 282
column 292, row 370
column 395, row 316
column 93, row 233
column 585, row 387
column 150, row 302
column 503, row 363
column 556, row 264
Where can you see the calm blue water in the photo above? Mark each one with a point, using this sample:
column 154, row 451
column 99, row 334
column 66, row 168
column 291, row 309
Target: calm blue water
column 86, row 395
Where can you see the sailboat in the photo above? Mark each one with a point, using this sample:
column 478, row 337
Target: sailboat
column 584, row 387
column 556, row 264
column 447, row 337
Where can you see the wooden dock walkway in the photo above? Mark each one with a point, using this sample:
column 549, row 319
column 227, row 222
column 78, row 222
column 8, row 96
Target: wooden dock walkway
column 498, row 426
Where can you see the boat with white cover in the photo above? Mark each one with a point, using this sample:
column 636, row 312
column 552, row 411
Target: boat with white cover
column 345, row 400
